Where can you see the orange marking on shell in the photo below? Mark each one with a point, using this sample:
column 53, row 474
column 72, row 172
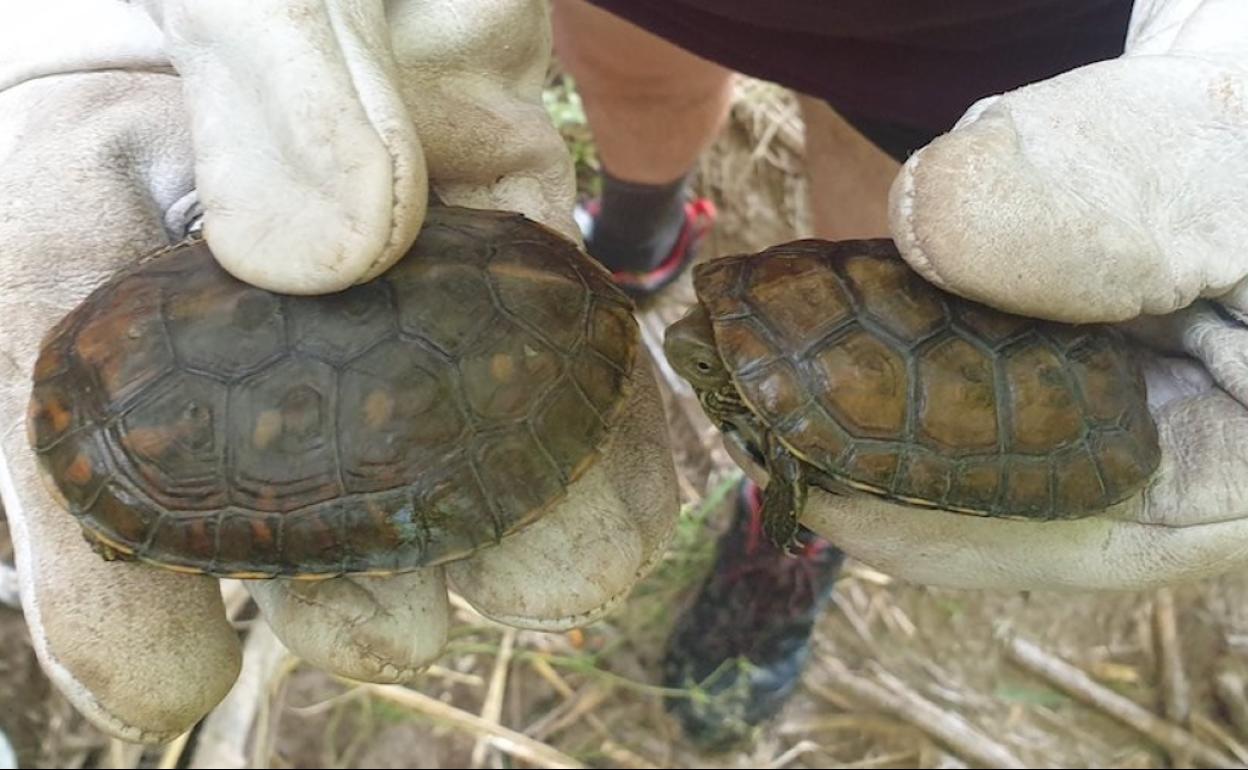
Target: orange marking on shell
column 501, row 367
column 148, row 442
column 57, row 414
column 261, row 532
column 80, row 470
column 268, row 498
column 378, row 408
column 201, row 540
column 268, row 427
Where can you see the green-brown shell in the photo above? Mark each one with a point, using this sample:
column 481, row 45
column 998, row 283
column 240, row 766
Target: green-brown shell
column 892, row 386
column 193, row 421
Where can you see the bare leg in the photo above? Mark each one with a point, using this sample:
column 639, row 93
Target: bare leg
column 848, row 176
column 652, row 107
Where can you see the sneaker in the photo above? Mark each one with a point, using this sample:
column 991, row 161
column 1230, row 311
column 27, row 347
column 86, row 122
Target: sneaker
column 699, row 217
column 741, row 647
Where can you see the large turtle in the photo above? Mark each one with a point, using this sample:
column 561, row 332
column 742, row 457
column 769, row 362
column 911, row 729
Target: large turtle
column 200, row 424
column 834, row 364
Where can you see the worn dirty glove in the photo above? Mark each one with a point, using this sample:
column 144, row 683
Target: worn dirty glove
column 309, row 131
column 1114, row 192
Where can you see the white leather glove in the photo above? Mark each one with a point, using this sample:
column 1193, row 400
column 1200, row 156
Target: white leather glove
column 308, row 129
column 1113, row 192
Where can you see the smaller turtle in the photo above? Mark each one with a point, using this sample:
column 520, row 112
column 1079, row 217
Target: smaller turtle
column 835, row 364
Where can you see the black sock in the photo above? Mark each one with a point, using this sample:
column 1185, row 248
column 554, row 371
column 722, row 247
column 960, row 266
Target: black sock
column 638, row 223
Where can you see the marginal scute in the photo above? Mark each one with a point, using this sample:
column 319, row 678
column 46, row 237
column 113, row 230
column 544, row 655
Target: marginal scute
column 924, row 476
column 1027, row 486
column 1079, row 485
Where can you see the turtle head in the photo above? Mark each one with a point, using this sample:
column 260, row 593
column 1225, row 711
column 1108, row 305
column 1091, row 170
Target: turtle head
column 690, row 348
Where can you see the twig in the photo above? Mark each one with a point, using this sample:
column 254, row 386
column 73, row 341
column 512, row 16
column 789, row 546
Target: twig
column 897, row 758
column 860, row 723
column 792, row 753
column 867, row 575
column 455, row 677
column 172, row 754
column 234, row 596
column 567, row 713
column 1204, row 727
column 1232, row 691
column 492, row 709
column 548, row 672
column 850, row 613
column 894, row 697
column 1174, row 684
column 932, row 756
column 1174, row 739
column 325, row 704
column 576, row 704
column 123, row 755
column 506, row 740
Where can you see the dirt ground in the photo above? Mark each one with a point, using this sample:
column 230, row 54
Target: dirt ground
column 902, row 675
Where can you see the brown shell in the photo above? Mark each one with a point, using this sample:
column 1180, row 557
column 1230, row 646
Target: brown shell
column 892, row 386
column 196, row 422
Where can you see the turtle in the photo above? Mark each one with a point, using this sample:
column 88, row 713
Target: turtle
column 200, row 424
column 833, row 364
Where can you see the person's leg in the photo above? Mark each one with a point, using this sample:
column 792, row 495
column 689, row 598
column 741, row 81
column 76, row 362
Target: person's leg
column 652, row 108
column 847, row 175
column 746, row 637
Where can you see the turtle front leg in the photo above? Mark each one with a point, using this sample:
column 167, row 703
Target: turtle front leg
column 785, row 496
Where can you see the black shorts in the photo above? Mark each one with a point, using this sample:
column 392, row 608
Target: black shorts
column 901, row 71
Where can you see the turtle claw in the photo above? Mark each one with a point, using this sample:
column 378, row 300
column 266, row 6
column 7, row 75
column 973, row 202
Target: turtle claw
column 783, row 499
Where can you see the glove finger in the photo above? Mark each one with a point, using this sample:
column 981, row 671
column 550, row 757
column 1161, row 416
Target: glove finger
column 1067, row 200
column 371, row 629
column 583, row 557
column 1221, row 344
column 143, row 653
column 1190, row 523
column 476, row 97
column 308, row 166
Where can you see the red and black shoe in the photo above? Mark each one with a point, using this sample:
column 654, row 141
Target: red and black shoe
column 700, row 215
column 742, row 645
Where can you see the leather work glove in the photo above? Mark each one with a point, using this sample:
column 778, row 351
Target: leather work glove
column 1112, row 193
column 310, row 134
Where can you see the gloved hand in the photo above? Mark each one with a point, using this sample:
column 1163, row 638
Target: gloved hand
column 1114, row 192
column 308, row 129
